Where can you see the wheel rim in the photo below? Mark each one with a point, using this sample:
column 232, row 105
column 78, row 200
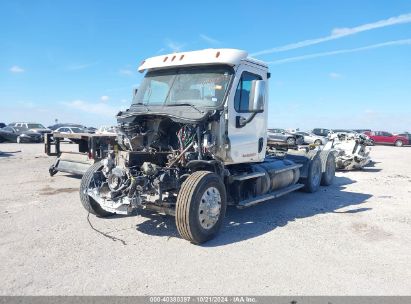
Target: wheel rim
column 291, row 141
column 398, row 143
column 317, row 142
column 210, row 208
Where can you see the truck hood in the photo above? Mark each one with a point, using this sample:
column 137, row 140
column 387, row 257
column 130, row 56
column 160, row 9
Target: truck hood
column 183, row 113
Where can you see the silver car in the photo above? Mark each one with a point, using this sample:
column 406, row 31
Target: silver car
column 310, row 138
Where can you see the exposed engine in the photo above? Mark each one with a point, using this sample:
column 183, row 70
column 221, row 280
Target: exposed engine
column 154, row 156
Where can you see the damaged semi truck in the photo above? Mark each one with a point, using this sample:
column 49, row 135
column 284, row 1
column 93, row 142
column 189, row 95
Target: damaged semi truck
column 194, row 140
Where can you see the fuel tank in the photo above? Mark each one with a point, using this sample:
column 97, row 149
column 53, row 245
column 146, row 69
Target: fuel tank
column 276, row 174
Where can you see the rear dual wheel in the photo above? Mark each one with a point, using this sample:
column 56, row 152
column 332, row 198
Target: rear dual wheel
column 201, row 206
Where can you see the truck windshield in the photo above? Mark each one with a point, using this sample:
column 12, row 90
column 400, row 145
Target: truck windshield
column 204, row 86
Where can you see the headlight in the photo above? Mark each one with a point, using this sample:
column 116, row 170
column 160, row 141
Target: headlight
column 24, row 135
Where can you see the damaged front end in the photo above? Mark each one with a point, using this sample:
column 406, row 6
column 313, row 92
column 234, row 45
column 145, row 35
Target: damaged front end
column 351, row 153
column 154, row 155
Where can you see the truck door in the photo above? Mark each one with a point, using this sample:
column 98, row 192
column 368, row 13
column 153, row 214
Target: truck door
column 247, row 129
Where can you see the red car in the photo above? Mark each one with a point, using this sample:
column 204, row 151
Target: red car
column 386, row 138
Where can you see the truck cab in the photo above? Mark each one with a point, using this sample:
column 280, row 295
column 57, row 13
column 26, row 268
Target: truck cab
column 194, row 140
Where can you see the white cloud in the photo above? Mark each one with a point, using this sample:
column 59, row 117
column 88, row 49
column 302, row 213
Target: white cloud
column 343, row 51
column 126, row 72
column 335, row 75
column 16, row 69
column 93, row 108
column 174, row 46
column 208, row 39
column 339, row 33
column 104, row 98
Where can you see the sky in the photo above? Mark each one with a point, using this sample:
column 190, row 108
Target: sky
column 333, row 64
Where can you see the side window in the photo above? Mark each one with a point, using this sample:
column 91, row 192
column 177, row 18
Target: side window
column 242, row 94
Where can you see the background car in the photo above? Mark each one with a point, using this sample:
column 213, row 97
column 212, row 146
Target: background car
column 387, row 138
column 19, row 135
column 321, row 132
column 282, row 136
column 33, row 126
column 406, row 135
column 59, row 125
column 310, row 138
column 106, row 130
column 69, row 130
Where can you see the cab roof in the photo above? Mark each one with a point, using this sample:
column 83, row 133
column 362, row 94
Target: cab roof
column 202, row 57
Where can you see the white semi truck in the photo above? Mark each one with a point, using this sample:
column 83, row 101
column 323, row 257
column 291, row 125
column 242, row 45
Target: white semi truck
column 194, row 140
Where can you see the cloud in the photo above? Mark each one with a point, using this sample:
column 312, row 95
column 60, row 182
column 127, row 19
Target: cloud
column 174, row 46
column 104, row 98
column 208, row 39
column 126, row 72
column 338, row 33
column 334, row 75
column 75, row 67
column 93, row 108
column 16, row 69
column 343, row 51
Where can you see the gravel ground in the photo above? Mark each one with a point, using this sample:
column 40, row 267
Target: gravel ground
column 352, row 238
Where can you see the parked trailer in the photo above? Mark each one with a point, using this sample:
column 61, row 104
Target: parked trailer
column 194, row 140
column 91, row 148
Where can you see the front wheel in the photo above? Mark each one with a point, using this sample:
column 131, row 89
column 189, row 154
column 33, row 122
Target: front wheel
column 399, row 143
column 88, row 182
column 317, row 142
column 291, row 141
column 18, row 139
column 201, row 206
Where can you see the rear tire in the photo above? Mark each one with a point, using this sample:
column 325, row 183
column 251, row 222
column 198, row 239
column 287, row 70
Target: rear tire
column 313, row 180
column 329, row 174
column 88, row 203
column 201, row 206
column 399, row 143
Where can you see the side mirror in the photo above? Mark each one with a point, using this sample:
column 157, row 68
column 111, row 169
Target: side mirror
column 257, row 96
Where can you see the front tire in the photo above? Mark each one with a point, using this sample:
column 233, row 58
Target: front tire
column 318, row 142
column 201, row 206
column 86, row 182
column 291, row 141
column 399, row 143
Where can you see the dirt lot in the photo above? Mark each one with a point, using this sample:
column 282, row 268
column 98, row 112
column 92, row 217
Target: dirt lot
column 353, row 238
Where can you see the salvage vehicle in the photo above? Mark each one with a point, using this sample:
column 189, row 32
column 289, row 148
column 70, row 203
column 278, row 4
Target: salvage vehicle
column 19, row 135
column 321, row 132
column 310, row 138
column 32, row 126
column 387, row 138
column 282, row 136
column 194, row 140
column 350, row 153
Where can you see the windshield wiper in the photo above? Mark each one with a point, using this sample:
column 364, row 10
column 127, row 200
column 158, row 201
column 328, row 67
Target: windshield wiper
column 186, row 104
